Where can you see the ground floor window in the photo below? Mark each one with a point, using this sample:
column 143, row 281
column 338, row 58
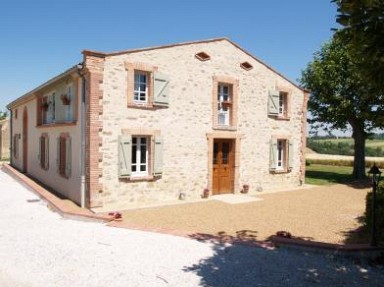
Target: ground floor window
column 44, row 151
column 16, row 145
column 64, row 151
column 281, row 155
column 139, row 156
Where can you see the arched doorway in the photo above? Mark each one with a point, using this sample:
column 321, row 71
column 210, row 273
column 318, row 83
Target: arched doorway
column 25, row 140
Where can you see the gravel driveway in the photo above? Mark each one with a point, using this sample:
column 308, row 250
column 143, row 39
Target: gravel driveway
column 39, row 248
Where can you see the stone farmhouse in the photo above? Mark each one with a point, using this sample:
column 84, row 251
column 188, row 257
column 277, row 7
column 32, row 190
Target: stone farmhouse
column 147, row 126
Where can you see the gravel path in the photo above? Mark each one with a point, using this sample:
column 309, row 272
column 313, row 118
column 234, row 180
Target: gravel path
column 327, row 214
column 39, row 248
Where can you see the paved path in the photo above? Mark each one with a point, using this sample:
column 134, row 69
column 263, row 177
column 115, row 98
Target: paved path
column 39, row 248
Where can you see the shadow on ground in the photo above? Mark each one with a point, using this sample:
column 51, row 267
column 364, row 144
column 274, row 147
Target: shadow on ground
column 241, row 265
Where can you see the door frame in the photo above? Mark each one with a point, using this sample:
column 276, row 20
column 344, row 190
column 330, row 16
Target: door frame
column 25, row 140
column 236, row 139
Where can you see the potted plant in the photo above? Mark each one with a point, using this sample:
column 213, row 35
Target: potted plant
column 205, row 193
column 65, row 99
column 245, row 188
column 44, row 105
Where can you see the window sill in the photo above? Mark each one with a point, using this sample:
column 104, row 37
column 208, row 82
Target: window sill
column 283, row 118
column 280, row 171
column 57, row 124
column 140, row 178
column 145, row 106
column 225, row 128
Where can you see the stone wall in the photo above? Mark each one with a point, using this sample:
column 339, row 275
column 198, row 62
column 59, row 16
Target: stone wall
column 186, row 125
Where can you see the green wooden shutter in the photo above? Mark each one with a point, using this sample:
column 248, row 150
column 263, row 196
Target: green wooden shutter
column 161, row 89
column 158, row 156
column 68, row 157
column 125, row 155
column 272, row 155
column 273, row 102
column 290, row 155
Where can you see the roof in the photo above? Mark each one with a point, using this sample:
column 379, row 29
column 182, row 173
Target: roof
column 104, row 54
column 30, row 94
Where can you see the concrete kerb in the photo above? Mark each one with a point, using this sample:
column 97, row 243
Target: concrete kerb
column 55, row 203
column 360, row 251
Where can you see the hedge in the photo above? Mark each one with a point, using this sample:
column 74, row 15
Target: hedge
column 342, row 162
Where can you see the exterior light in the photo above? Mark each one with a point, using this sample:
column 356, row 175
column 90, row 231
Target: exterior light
column 375, row 175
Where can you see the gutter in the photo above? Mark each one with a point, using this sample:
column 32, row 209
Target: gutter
column 83, row 112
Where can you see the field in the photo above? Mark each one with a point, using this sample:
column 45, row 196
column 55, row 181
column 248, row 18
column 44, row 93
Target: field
column 345, row 146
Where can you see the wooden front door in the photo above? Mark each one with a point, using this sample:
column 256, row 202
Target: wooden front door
column 223, row 166
column 25, row 140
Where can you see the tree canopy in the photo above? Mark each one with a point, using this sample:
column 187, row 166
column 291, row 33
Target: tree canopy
column 363, row 32
column 341, row 96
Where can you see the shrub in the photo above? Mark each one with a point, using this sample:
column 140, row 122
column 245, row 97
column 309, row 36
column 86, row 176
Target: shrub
column 379, row 206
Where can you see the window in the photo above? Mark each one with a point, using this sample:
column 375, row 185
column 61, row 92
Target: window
column 64, row 158
column 140, row 156
column 68, row 101
column 146, row 88
column 44, row 151
column 224, row 102
column 202, row 56
column 283, row 104
column 16, row 145
column 246, row 66
column 47, row 109
column 141, row 87
column 281, row 155
column 278, row 104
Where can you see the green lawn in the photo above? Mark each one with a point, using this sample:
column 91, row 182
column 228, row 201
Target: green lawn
column 328, row 174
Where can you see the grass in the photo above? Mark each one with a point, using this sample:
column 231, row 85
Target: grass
column 369, row 143
column 327, row 174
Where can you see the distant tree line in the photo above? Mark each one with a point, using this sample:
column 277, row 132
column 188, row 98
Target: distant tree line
column 341, row 148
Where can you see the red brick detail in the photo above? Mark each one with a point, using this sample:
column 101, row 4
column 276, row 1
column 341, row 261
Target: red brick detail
column 94, row 80
column 303, row 136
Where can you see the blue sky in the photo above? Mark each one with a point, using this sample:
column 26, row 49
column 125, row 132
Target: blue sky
column 42, row 38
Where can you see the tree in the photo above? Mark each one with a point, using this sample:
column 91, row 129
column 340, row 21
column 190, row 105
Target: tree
column 3, row 115
column 363, row 32
column 340, row 96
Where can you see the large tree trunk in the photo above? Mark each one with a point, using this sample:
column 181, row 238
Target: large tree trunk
column 359, row 137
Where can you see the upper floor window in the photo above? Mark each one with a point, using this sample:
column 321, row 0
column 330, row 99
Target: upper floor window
column 225, row 102
column 67, row 100
column 141, row 87
column 48, row 108
column 146, row 88
column 278, row 104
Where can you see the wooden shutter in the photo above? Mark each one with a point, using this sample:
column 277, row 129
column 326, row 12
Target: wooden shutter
column 161, row 89
column 272, row 155
column 125, row 155
column 290, row 155
column 273, row 102
column 158, row 156
column 68, row 156
column 39, row 153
